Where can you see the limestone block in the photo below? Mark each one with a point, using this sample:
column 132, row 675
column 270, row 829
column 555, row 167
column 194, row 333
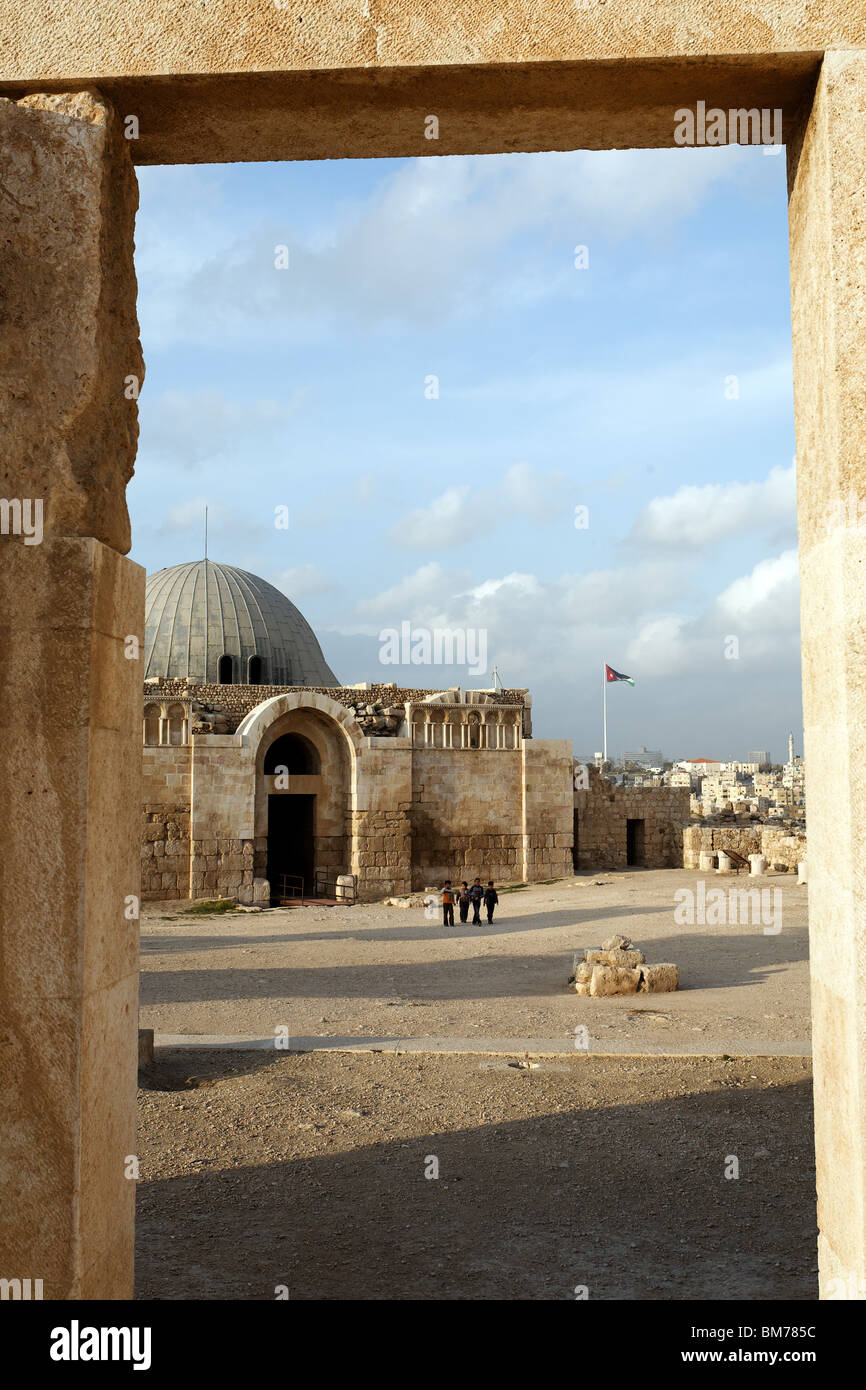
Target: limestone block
column 70, row 332
column 613, row 979
column 617, row 943
column 628, row 958
column 659, row 979
column 583, row 973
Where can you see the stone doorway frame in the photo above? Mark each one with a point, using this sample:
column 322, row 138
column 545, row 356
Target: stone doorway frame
column 515, row 75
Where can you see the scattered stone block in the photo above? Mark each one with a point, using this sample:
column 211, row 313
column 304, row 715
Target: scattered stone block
column 617, row 943
column 659, row 979
column 628, row 958
column 613, row 979
column 583, row 973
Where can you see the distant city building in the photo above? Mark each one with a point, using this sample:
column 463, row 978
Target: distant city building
column 760, row 756
column 700, row 766
column 645, row 757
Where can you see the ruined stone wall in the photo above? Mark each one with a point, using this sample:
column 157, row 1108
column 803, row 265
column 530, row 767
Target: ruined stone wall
column 231, row 703
column 466, row 815
column 779, row 846
column 782, row 847
column 743, row 839
column 603, row 810
column 165, row 849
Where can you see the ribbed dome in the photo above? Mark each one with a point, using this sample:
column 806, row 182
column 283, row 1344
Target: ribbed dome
column 196, row 614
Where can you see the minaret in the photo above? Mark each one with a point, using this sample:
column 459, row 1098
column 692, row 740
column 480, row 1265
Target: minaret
column 791, row 749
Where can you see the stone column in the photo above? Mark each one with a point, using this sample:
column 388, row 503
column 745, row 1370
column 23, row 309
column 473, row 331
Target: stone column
column 70, row 706
column 828, row 286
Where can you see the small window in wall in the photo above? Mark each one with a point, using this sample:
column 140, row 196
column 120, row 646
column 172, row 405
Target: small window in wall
column 294, row 753
column 254, row 670
column 224, row 673
column 151, row 725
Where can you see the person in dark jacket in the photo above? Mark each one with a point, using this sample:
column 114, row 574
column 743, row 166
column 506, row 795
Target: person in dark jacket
column 447, row 904
column 476, row 897
column 491, row 898
column 463, row 900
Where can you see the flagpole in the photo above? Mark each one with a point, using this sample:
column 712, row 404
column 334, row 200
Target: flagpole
column 604, row 697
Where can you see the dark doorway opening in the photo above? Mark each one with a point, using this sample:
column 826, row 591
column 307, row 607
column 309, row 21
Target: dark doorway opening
column 295, row 754
column 634, row 841
column 225, row 673
column 574, row 848
column 290, row 846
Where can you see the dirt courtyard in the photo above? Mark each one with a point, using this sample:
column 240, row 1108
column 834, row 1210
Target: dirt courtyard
column 305, row 1176
column 384, row 973
column 308, row 1174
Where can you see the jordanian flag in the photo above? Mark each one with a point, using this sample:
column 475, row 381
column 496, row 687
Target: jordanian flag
column 613, row 675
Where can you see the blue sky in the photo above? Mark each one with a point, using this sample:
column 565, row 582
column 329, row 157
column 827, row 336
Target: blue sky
column 652, row 387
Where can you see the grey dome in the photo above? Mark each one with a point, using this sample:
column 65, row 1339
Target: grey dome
column 197, row 613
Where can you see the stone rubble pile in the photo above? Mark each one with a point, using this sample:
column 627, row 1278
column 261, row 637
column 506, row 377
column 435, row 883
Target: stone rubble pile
column 620, row 968
column 377, row 718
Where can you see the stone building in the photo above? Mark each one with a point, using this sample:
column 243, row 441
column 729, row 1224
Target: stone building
column 616, row 827
column 299, row 783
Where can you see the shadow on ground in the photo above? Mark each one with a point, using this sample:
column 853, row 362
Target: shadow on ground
column 546, row 1181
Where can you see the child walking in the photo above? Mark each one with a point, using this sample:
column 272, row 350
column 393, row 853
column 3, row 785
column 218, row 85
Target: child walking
column 491, row 898
column 447, row 904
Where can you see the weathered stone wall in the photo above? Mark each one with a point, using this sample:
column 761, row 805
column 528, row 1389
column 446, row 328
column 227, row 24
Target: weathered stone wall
column 466, row 815
column 697, row 839
column 782, row 847
column 548, row 818
column 778, row 846
column 382, row 856
column 603, row 810
column 222, row 816
column 165, row 849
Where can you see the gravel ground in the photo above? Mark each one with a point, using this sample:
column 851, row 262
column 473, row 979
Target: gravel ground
column 383, row 972
column 308, row 1171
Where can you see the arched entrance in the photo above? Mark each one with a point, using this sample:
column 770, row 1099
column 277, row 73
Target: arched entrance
column 304, row 770
column 291, row 816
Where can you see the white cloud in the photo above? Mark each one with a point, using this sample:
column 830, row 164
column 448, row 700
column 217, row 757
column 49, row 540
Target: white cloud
column 421, row 596
column 760, row 610
column 767, row 599
column 300, row 581
column 459, row 513
column 447, row 521
column 188, row 427
column 697, row 516
column 422, row 245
